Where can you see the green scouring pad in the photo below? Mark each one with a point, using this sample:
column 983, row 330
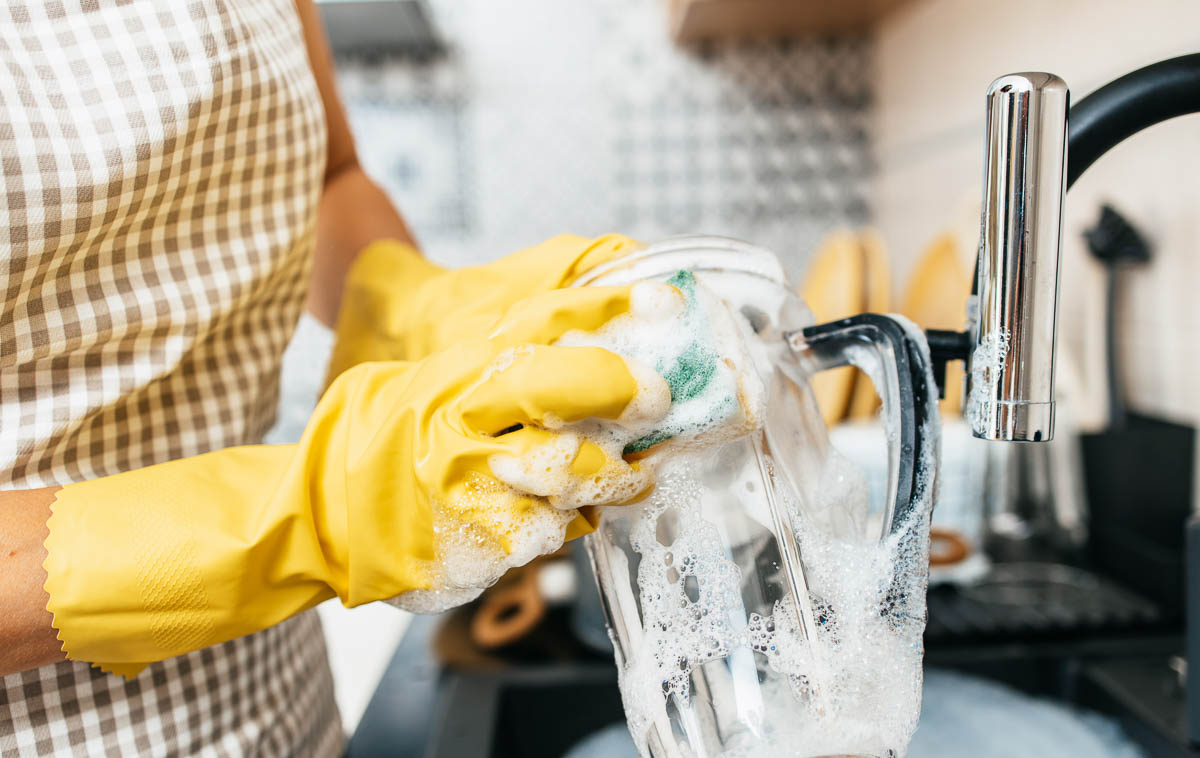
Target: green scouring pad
column 706, row 389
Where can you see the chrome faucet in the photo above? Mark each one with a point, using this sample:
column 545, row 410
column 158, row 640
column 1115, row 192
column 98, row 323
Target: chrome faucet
column 1012, row 319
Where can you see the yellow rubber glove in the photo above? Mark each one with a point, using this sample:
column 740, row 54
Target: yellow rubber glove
column 398, row 306
column 392, row 469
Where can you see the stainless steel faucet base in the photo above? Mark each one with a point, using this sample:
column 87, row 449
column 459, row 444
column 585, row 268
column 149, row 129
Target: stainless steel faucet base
column 1021, row 422
column 1010, row 392
column 1012, row 315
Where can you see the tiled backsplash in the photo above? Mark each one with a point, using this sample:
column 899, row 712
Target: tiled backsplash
column 546, row 117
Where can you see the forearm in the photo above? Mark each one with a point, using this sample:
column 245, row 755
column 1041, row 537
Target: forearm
column 27, row 635
column 354, row 212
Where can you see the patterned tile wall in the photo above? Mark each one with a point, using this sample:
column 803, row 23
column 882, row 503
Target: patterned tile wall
column 545, row 117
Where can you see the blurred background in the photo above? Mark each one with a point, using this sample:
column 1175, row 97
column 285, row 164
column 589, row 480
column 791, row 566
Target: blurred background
column 848, row 139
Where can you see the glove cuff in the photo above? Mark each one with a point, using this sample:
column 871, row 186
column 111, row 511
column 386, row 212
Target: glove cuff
column 159, row 561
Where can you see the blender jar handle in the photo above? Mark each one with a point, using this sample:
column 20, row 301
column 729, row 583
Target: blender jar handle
column 898, row 363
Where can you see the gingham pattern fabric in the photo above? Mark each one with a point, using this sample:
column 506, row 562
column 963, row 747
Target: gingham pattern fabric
column 267, row 694
column 160, row 167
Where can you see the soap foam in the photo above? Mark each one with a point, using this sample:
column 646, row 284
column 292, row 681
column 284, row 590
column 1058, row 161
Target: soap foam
column 496, row 526
column 854, row 689
column 986, row 359
column 689, row 336
column 487, row 531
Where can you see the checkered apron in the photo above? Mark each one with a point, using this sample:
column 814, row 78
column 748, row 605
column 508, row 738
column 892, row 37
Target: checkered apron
column 160, row 167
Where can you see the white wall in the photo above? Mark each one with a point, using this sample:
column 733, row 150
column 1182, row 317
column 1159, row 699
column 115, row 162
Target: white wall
column 934, row 60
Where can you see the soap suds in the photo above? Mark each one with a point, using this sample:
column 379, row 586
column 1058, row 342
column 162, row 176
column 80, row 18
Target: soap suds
column 987, row 359
column 687, row 334
column 853, row 689
column 697, row 387
column 712, row 653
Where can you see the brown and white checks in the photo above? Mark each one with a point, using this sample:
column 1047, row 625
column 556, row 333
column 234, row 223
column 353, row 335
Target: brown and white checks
column 160, row 167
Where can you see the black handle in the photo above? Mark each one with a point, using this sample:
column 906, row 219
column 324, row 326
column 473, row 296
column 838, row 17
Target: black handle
column 891, row 343
column 1123, row 107
column 945, row 346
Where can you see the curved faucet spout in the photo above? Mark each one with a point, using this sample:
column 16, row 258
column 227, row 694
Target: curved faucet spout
column 1125, row 106
column 1029, row 163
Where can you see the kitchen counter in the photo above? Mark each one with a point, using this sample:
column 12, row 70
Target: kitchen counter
column 424, row 710
column 400, row 716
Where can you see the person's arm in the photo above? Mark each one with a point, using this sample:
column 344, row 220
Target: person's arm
column 27, row 636
column 354, row 211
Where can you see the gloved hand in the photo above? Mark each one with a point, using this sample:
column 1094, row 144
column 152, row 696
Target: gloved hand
column 390, row 486
column 398, row 306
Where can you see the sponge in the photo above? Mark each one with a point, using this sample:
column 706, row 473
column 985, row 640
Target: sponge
column 708, row 390
column 697, row 388
column 715, row 392
column 699, row 396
